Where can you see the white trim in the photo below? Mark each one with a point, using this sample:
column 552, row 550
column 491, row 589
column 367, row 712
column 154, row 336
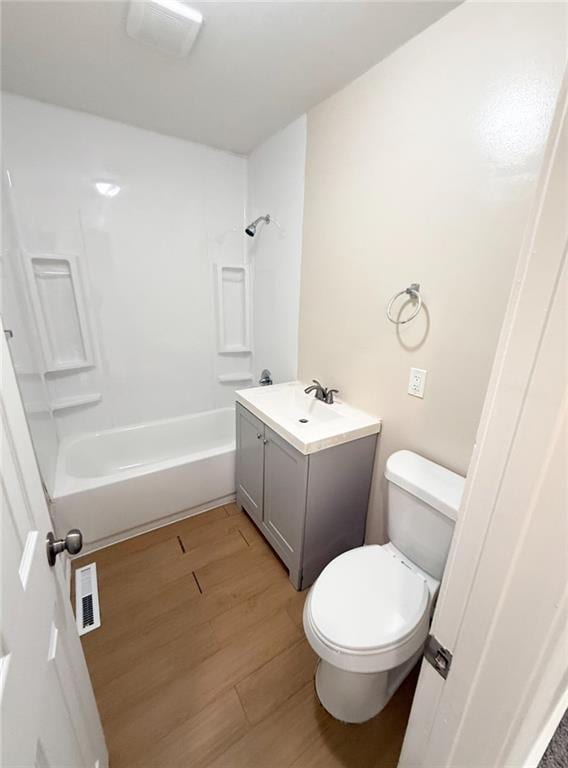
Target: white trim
column 544, row 738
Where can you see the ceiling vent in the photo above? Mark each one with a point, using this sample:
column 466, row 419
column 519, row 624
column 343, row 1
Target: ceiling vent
column 170, row 25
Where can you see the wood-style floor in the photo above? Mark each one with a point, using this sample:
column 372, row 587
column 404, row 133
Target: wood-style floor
column 201, row 659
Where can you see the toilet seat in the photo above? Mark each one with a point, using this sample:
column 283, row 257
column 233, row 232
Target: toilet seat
column 368, row 611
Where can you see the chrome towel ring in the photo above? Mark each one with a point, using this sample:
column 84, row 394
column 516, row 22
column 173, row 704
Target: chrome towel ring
column 413, row 291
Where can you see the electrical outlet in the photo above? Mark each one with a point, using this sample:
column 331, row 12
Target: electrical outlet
column 417, row 382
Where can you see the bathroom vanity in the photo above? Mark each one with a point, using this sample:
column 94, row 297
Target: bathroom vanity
column 303, row 474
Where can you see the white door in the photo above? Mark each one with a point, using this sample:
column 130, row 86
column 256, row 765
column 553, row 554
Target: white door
column 49, row 714
column 503, row 608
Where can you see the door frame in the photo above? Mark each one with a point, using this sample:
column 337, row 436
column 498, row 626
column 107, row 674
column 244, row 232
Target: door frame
column 533, row 292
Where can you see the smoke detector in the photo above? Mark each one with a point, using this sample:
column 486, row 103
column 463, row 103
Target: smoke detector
column 170, row 25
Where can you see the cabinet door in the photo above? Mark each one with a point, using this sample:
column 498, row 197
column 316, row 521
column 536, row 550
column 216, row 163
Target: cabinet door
column 285, row 478
column 250, row 461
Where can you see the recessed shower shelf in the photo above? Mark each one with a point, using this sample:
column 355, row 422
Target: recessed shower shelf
column 233, row 309
column 60, row 308
column 226, row 378
column 72, row 402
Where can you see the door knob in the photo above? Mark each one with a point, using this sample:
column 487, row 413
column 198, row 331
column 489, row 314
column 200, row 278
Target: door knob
column 73, row 543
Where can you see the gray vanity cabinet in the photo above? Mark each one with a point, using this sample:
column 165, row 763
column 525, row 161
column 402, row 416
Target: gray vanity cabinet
column 250, row 461
column 285, row 483
column 309, row 508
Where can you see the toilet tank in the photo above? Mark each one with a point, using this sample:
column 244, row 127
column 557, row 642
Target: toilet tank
column 422, row 506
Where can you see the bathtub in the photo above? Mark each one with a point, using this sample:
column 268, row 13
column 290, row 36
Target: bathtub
column 121, row 482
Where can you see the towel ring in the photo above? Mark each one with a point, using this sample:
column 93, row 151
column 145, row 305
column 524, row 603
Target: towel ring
column 413, row 291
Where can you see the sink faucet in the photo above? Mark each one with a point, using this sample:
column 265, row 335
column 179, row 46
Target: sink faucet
column 321, row 393
column 329, row 393
column 319, row 390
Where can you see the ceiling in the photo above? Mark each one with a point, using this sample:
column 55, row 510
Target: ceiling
column 254, row 68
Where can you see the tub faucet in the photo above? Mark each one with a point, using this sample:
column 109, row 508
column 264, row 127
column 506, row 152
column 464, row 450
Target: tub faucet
column 323, row 394
column 265, row 378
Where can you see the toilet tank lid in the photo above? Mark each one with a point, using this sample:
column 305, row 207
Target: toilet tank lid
column 439, row 487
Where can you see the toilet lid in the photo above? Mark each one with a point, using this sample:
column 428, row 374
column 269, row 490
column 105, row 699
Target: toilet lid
column 367, row 598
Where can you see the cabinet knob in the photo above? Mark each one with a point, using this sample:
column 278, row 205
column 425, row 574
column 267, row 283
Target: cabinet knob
column 265, row 441
column 258, row 435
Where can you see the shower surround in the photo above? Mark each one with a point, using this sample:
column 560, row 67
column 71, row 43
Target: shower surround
column 130, row 249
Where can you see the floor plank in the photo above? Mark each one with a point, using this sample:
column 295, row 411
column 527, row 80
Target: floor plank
column 193, row 538
column 265, row 689
column 295, row 609
column 375, row 744
column 200, row 738
column 123, row 593
column 248, row 529
column 279, row 739
column 142, row 724
column 173, row 605
column 236, row 563
column 277, row 596
column 201, row 660
column 154, row 670
column 138, row 647
column 115, row 552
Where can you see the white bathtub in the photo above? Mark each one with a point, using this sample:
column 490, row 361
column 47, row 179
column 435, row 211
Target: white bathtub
column 121, row 482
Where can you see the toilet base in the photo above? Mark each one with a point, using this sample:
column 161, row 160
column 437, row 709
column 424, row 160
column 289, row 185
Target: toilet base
column 355, row 697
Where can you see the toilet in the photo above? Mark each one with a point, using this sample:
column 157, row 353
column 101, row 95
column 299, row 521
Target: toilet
column 367, row 615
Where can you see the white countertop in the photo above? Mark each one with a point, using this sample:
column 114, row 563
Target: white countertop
column 282, row 406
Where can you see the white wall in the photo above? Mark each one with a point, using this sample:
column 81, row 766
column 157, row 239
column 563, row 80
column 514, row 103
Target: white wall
column 147, row 254
column 424, row 170
column 276, row 172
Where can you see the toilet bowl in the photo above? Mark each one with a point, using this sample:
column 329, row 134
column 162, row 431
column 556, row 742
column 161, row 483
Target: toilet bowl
column 367, row 618
column 367, row 615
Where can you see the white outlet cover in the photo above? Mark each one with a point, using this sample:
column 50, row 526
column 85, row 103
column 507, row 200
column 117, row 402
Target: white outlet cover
column 417, row 382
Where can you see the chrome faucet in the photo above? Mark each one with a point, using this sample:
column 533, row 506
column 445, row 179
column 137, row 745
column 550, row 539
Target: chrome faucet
column 321, row 393
column 265, row 378
column 329, row 393
column 319, row 390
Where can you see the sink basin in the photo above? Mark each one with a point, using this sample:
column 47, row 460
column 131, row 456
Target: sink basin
column 308, row 424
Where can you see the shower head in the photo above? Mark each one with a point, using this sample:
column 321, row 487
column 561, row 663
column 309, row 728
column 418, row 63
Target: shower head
column 251, row 229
